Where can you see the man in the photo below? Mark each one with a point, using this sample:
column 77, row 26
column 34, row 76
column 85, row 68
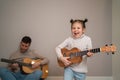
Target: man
column 15, row 71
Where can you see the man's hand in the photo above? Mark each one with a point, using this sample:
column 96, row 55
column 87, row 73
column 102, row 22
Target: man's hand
column 36, row 64
column 14, row 65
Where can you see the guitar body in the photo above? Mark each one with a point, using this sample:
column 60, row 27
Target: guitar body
column 67, row 53
column 26, row 65
column 76, row 55
column 27, row 69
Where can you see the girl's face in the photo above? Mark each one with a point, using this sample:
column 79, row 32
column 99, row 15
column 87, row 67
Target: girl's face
column 77, row 30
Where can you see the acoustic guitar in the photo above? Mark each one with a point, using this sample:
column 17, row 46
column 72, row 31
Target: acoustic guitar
column 27, row 65
column 76, row 55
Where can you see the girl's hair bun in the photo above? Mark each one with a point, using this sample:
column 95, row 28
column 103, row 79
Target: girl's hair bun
column 86, row 20
column 71, row 21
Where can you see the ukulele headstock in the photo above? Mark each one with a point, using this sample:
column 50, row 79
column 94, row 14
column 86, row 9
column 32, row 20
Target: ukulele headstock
column 109, row 48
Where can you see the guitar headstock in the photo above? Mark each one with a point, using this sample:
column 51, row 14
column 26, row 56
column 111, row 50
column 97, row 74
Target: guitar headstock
column 109, row 48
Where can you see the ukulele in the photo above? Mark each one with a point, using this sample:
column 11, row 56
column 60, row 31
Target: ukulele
column 76, row 55
column 27, row 65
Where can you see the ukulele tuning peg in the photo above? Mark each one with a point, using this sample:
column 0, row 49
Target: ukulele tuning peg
column 106, row 45
column 111, row 44
column 113, row 53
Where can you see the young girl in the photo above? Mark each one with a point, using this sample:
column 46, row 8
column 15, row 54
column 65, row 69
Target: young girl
column 82, row 42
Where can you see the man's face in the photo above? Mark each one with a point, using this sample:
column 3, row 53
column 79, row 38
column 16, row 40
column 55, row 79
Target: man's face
column 24, row 47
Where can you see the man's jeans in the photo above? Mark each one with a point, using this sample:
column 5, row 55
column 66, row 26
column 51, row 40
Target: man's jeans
column 6, row 74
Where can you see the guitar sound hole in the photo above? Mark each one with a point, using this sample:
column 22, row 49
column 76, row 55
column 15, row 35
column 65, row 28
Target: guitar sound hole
column 64, row 54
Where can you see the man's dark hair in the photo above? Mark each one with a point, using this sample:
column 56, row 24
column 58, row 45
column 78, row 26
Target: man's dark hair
column 26, row 39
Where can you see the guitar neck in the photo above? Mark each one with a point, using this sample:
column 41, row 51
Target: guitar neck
column 96, row 50
column 13, row 61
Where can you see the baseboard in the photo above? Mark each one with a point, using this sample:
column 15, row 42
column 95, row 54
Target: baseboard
column 88, row 78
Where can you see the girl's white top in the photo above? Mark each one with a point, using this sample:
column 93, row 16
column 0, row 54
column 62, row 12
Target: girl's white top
column 82, row 43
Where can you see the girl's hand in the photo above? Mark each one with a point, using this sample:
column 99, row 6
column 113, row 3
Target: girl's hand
column 89, row 54
column 65, row 60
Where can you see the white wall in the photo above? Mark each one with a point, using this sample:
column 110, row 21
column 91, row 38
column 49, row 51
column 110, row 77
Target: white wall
column 47, row 22
column 116, row 38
